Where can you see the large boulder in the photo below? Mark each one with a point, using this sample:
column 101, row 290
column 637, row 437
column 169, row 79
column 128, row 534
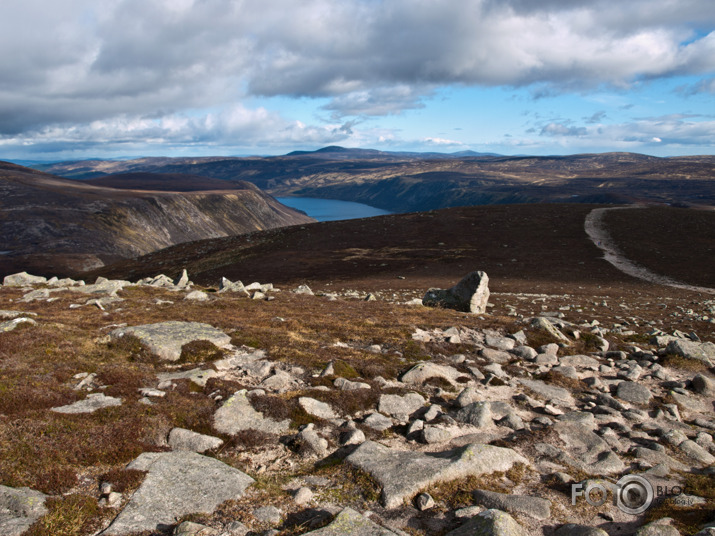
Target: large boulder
column 490, row 523
column 700, row 351
column 470, row 295
column 23, row 279
column 237, row 414
column 177, row 484
column 403, row 474
column 165, row 339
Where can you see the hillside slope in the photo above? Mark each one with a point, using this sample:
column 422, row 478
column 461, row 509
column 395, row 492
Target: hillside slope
column 59, row 226
column 406, row 183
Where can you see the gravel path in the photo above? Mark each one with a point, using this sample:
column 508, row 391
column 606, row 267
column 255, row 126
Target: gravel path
column 596, row 230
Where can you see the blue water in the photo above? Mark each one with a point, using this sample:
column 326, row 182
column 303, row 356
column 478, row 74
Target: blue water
column 331, row 209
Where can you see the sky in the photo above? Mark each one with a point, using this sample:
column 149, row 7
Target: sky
column 127, row 78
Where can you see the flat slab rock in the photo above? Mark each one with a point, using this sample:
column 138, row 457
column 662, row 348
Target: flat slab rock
column 177, row 484
column 402, row 474
column 237, row 414
column 90, row 404
column 19, row 509
column 165, row 339
column 351, row 523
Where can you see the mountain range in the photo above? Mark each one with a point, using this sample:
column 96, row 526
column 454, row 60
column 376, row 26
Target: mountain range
column 408, row 182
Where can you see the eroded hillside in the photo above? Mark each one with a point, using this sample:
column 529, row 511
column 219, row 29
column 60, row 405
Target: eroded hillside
column 59, row 226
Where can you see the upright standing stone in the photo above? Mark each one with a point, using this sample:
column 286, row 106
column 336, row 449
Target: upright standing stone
column 470, row 295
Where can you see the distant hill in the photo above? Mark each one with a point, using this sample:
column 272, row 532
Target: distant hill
column 166, row 182
column 406, row 182
column 51, row 225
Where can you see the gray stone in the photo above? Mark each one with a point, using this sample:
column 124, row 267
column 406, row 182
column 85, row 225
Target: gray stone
column 280, row 382
column 700, row 351
column 468, row 396
column 424, row 501
column 10, row 325
column 350, row 523
column 478, row 414
column 182, row 439
column 658, row 528
column 303, row 289
column 432, row 433
column 696, row 452
column 704, row 385
column 165, row 339
column 268, row 514
column 525, row 352
column 544, row 324
column 495, row 340
column 634, row 393
column 197, row 295
column 422, row 372
column 377, row 421
column 19, row 509
column 495, row 356
column 237, row 414
column 402, row 474
column 347, row 385
column 39, row 294
column 103, row 286
column 189, row 528
column 555, row 395
column 352, row 436
column 470, row 295
column 580, row 361
column 303, row 496
column 90, row 404
column 490, row 523
column 585, row 450
column 316, row 408
column 572, row 529
column 517, row 504
column 236, row 288
column 23, row 279
column 198, row 376
column 177, row 484
column 183, row 280
column 401, row 407
column 310, row 443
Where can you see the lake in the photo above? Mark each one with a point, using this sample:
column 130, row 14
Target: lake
column 331, row 209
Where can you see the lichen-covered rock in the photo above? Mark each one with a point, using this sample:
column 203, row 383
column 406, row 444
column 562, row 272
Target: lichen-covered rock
column 187, row 440
column 19, row 509
column 23, row 279
column 519, row 504
column 90, row 404
column 700, row 351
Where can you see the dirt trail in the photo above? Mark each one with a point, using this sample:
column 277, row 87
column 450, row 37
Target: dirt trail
column 596, row 230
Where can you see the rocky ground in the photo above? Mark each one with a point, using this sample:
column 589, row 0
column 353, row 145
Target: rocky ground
column 161, row 407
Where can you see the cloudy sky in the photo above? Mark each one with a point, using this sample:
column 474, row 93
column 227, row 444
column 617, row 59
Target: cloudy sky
column 114, row 78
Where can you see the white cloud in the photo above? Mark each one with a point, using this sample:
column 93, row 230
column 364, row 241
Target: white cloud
column 115, row 63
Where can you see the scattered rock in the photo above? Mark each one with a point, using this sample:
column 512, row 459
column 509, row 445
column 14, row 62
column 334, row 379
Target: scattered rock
column 572, row 529
column 10, row 325
column 197, row 295
column 422, row 372
column 544, row 324
column 424, row 501
column 188, row 528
